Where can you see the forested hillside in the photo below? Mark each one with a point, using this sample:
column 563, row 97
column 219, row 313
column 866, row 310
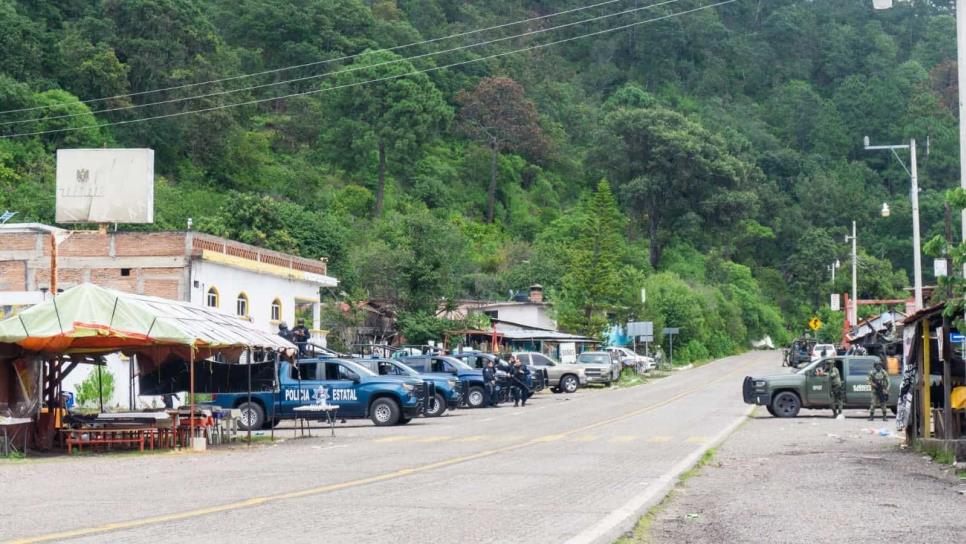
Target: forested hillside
column 712, row 157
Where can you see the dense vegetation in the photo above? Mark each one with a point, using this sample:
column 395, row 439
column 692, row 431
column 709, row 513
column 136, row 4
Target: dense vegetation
column 714, row 158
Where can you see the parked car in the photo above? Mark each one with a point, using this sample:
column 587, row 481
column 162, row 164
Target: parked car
column 823, row 351
column 561, row 377
column 630, row 359
column 783, row 395
column 448, row 391
column 478, row 359
column 471, row 380
column 600, row 366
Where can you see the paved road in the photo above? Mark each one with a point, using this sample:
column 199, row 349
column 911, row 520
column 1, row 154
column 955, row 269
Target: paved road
column 575, row 468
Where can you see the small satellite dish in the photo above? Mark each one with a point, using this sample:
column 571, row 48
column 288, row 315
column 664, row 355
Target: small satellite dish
column 881, row 4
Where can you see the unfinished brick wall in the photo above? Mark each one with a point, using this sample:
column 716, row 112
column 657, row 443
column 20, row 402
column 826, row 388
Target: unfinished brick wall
column 149, row 244
column 13, row 275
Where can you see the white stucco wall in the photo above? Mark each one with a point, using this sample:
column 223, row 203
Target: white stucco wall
column 260, row 288
column 525, row 314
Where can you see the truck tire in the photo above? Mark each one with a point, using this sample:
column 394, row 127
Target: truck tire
column 569, row 383
column 786, row 404
column 475, row 397
column 384, row 412
column 252, row 416
column 436, row 407
column 771, row 410
column 405, row 420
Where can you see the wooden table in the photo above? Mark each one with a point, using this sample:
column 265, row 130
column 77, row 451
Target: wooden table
column 110, row 435
column 328, row 409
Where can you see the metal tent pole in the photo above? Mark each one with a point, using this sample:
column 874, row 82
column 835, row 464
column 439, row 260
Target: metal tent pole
column 191, row 421
column 249, row 393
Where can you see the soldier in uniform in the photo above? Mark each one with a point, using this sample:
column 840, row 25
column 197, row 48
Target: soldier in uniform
column 836, row 388
column 300, row 335
column 519, row 382
column 284, row 331
column 489, row 384
column 879, row 383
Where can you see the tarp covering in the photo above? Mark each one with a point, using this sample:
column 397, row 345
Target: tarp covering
column 92, row 319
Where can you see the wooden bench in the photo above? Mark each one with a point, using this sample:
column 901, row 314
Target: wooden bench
column 109, row 435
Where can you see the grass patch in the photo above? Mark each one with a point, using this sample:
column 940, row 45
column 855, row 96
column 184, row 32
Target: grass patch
column 641, row 533
column 630, row 378
column 939, row 454
column 255, row 439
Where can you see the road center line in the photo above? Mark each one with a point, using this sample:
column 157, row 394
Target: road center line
column 329, row 488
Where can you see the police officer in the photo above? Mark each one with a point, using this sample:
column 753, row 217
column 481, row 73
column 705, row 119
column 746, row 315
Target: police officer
column 879, row 384
column 300, row 334
column 284, row 331
column 489, row 384
column 519, row 381
column 836, row 388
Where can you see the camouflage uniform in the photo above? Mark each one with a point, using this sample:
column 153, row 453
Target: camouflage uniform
column 879, row 384
column 836, row 389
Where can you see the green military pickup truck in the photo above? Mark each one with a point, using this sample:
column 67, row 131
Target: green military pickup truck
column 785, row 394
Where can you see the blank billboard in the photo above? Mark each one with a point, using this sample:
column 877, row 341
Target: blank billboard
column 105, row 186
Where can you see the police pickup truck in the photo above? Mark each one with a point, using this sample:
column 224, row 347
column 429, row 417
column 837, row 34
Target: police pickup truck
column 277, row 388
column 783, row 395
column 478, row 359
column 471, row 380
column 447, row 393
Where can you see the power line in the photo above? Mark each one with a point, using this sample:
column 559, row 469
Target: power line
column 326, row 61
column 378, row 80
column 337, row 72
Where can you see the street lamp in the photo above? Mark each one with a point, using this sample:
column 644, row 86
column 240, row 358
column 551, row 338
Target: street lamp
column 854, row 310
column 914, row 196
column 832, row 268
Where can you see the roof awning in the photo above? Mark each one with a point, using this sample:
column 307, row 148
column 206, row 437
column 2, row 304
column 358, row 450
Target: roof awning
column 94, row 320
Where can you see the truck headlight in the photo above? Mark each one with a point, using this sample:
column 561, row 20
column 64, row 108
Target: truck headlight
column 452, row 383
column 759, row 383
column 408, row 387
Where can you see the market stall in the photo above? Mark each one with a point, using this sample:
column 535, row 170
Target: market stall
column 43, row 344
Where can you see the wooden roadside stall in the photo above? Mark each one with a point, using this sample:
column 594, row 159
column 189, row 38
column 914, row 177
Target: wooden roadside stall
column 44, row 343
column 934, row 379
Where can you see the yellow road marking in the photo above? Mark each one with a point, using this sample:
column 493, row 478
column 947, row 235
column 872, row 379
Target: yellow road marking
column 472, row 438
column 392, row 439
column 585, row 438
column 623, row 439
column 329, row 488
column 659, row 439
column 696, row 439
column 432, row 439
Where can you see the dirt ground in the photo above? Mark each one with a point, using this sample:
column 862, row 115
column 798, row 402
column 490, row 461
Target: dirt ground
column 813, row 479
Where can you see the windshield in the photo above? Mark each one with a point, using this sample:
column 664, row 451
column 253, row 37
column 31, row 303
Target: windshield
column 595, row 358
column 357, row 368
column 459, row 365
column 406, row 369
column 806, row 368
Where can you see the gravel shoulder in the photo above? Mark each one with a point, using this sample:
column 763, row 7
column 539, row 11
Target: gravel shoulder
column 812, row 479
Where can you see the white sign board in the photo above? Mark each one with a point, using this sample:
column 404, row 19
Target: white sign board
column 939, row 268
column 105, row 186
column 568, row 352
column 836, row 302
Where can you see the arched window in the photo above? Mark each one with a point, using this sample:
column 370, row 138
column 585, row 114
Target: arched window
column 276, row 310
column 241, row 306
column 212, row 298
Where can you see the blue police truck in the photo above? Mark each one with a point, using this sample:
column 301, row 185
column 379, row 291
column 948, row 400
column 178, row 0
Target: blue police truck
column 448, row 395
column 277, row 388
column 471, row 380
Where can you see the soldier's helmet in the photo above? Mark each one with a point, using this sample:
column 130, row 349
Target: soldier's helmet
column 878, row 365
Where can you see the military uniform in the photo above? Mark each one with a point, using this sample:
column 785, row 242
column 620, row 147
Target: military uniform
column 836, row 390
column 489, row 383
column 879, row 384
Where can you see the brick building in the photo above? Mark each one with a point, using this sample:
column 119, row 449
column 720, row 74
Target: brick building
column 260, row 285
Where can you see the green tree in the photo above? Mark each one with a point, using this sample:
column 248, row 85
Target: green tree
column 394, row 117
column 99, row 384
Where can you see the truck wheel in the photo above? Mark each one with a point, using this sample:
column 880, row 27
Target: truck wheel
column 569, row 383
column 405, row 420
column 771, row 410
column 252, row 416
column 384, row 412
column 786, row 404
column 436, row 407
column 475, row 397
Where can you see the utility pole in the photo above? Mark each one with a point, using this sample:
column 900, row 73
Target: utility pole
column 961, row 64
column 916, row 243
column 853, row 310
column 947, row 353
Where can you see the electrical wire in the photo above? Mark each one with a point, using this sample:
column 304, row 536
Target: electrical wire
column 378, row 80
column 343, row 71
column 326, row 61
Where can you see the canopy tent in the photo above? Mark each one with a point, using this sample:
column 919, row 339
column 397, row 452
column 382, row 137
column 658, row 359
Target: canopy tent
column 88, row 319
column 92, row 320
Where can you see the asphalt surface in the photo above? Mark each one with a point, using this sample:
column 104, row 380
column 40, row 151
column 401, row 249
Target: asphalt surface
column 815, row 479
column 578, row 468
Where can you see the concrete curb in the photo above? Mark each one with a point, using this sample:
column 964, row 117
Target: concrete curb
column 625, row 517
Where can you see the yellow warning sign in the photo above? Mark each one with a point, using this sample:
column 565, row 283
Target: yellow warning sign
column 815, row 323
